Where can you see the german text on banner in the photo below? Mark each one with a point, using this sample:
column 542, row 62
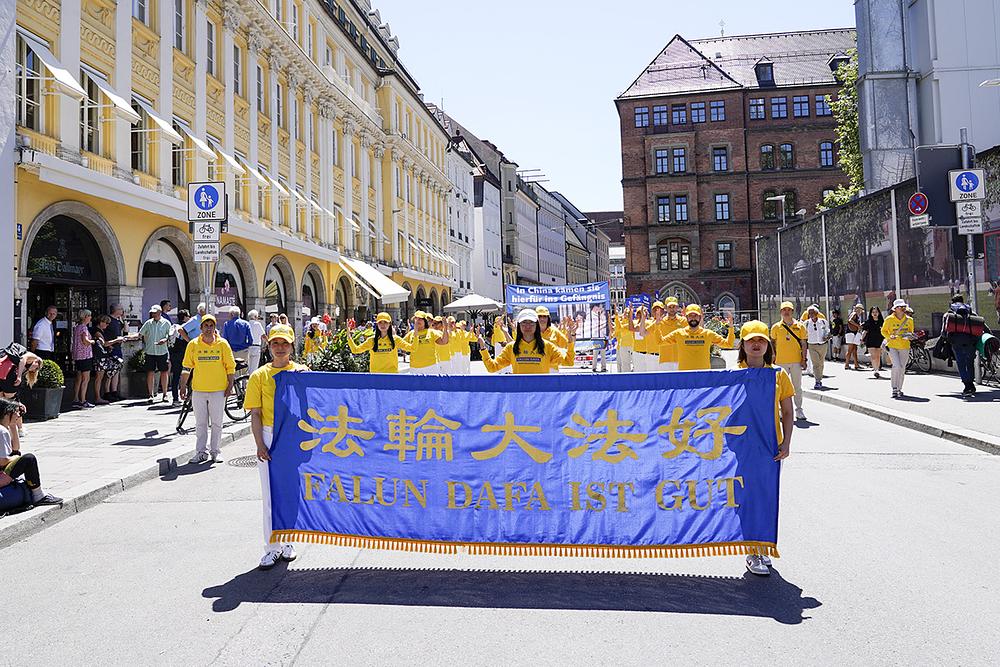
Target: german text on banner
column 666, row 464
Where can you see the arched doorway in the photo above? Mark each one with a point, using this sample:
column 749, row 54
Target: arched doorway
column 67, row 269
column 407, row 308
column 230, row 287
column 445, row 299
column 435, row 302
column 422, row 302
column 343, row 301
column 680, row 291
column 164, row 276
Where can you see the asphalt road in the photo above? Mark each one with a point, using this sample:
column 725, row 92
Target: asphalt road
column 890, row 543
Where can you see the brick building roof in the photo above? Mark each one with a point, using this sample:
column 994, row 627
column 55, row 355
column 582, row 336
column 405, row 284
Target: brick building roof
column 723, row 63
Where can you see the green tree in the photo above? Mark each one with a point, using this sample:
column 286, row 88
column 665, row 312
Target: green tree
column 845, row 111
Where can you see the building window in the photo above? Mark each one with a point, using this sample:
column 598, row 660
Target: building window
column 138, row 140
column 663, row 209
column 724, row 255
column 800, row 106
column 721, row 208
column 717, row 110
column 675, row 256
column 679, row 114
column 295, row 118
column 698, row 112
column 779, row 107
column 826, row 154
column 680, row 160
column 827, row 192
column 660, row 115
column 179, row 25
column 786, row 156
column 178, row 161
column 757, row 108
column 720, row 159
column 680, row 208
column 770, row 207
column 278, row 15
column 823, row 106
column 662, row 161
column 310, row 129
column 237, row 70
column 90, row 117
column 29, row 95
column 295, row 22
column 642, row 116
column 210, row 41
column 279, row 105
column 767, row 157
column 140, row 10
column 262, row 208
column 260, row 91
column 790, row 203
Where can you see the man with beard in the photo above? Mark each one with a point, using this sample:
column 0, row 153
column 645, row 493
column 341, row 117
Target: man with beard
column 694, row 342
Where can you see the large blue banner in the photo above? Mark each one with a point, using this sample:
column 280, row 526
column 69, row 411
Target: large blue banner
column 587, row 304
column 665, row 464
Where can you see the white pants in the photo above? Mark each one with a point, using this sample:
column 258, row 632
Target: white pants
column 208, row 409
column 243, row 355
column 466, row 364
column 497, row 349
column 795, row 372
column 433, row 369
column 647, row 363
column 265, row 494
column 624, row 359
column 668, row 366
column 253, row 363
column 899, row 360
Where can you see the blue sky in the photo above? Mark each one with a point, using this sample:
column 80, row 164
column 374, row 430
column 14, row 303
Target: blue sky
column 539, row 77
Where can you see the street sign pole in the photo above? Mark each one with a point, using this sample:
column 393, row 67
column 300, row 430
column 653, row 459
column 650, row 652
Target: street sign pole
column 970, row 247
column 208, row 212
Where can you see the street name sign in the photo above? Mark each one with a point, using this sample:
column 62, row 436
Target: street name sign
column 919, row 221
column 967, row 184
column 206, row 201
column 206, row 251
column 207, row 232
column 918, row 203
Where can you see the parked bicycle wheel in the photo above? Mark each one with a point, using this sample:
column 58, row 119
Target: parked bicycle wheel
column 920, row 360
column 234, row 402
column 990, row 367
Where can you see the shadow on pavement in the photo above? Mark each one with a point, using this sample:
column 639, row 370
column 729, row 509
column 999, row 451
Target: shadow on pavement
column 182, row 470
column 141, row 442
column 913, row 399
column 805, row 423
column 770, row 597
column 978, row 397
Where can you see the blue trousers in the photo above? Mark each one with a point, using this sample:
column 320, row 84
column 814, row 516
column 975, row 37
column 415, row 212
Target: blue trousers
column 965, row 358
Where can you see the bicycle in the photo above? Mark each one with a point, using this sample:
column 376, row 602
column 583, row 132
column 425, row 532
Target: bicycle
column 989, row 361
column 920, row 357
column 234, row 402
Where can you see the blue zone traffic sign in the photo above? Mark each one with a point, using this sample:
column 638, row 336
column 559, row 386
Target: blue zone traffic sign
column 206, row 197
column 967, row 181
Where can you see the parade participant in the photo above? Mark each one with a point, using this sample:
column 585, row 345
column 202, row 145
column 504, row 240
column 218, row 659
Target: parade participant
column 626, row 341
column 898, row 332
column 260, row 401
column 465, row 355
column 553, row 334
column 313, row 339
column 500, row 335
column 694, row 342
column 211, row 360
column 445, row 352
column 424, row 342
column 529, row 353
column 642, row 358
column 456, row 342
column 789, row 337
column 756, row 351
column 383, row 347
column 670, row 323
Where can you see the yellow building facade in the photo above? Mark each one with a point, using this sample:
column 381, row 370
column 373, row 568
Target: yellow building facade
column 334, row 167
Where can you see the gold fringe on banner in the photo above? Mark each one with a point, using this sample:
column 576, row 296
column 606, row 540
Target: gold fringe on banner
column 491, row 549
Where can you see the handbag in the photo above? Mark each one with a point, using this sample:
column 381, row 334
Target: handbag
column 942, row 349
column 14, row 496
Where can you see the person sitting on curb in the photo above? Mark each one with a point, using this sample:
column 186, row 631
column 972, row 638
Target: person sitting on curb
column 14, row 464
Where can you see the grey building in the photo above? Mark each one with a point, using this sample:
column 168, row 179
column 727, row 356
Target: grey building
column 921, row 63
column 551, row 238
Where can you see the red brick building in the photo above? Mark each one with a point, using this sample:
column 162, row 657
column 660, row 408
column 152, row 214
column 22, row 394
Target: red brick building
column 710, row 130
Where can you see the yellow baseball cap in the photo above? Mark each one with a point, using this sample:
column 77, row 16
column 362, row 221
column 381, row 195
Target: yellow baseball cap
column 281, row 332
column 671, row 300
column 438, row 318
column 693, row 308
column 755, row 329
column 420, row 314
column 787, row 304
column 451, row 318
column 207, row 317
column 383, row 317
column 658, row 304
column 542, row 310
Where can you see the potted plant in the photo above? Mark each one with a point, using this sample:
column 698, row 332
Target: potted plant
column 336, row 356
column 133, row 376
column 44, row 399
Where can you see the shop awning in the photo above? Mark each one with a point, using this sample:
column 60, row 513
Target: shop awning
column 278, row 186
column 122, row 108
column 169, row 133
column 253, row 172
column 65, row 82
column 199, row 144
column 302, row 200
column 374, row 281
column 230, row 160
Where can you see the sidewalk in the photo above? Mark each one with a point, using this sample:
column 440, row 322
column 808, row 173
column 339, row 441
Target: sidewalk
column 85, row 456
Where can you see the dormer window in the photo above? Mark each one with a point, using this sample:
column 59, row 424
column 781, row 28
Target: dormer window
column 764, row 69
column 837, row 60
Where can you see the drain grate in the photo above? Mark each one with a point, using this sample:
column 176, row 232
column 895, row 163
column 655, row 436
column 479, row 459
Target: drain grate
column 243, row 462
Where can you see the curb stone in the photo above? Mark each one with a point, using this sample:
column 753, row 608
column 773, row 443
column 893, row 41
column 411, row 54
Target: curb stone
column 33, row 521
column 956, row 434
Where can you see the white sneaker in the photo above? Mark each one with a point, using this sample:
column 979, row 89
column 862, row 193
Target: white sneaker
column 216, row 457
column 756, row 565
column 270, row 559
column 200, row 457
column 765, row 560
column 288, row 553
column 799, row 413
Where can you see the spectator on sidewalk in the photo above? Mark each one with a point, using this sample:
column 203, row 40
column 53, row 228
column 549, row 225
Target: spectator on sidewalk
column 260, row 401
column 165, row 308
column 17, row 365
column 818, row 333
column 853, row 335
column 210, row 359
column 117, row 330
column 104, row 360
column 964, row 329
column 873, row 339
column 237, row 333
column 259, row 337
column 272, row 319
column 43, row 334
column 178, row 345
column 898, row 332
column 82, row 351
column 13, row 463
column 790, row 349
column 154, row 334
column 836, row 335
column 192, row 328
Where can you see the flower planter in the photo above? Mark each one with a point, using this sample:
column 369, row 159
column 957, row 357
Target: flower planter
column 42, row 404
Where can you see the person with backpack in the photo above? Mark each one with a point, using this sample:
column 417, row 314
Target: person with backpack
column 963, row 329
column 15, row 493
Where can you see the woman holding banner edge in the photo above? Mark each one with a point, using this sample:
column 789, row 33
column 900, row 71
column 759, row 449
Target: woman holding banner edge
column 529, row 354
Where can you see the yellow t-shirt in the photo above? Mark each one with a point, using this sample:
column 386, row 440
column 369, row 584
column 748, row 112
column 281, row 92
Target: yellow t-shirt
column 668, row 325
column 694, row 347
column 893, row 326
column 556, row 337
column 783, row 389
column 526, row 362
column 261, row 388
column 498, row 335
column 312, row 343
column 210, row 363
column 625, row 336
column 642, row 342
column 787, row 350
column 422, row 347
column 383, row 360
